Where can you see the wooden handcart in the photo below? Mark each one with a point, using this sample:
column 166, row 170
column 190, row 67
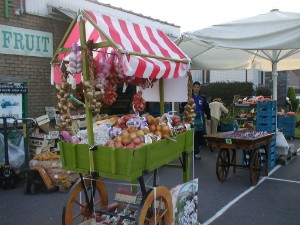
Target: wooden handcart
column 96, row 36
column 251, row 147
column 89, row 195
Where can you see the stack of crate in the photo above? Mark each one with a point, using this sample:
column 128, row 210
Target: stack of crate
column 266, row 116
column 287, row 124
column 266, row 121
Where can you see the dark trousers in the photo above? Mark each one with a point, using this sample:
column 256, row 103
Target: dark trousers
column 198, row 140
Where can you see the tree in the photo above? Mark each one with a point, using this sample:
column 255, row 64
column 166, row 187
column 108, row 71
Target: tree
column 292, row 98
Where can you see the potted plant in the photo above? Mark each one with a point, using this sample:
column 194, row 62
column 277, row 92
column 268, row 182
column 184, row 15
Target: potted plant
column 228, row 122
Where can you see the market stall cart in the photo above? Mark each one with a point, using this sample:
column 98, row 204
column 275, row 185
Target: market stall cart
column 109, row 51
column 125, row 165
column 248, row 141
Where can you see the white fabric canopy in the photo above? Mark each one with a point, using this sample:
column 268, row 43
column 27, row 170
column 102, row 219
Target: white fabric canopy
column 267, row 42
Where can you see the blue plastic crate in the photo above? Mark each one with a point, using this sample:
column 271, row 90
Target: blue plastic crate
column 266, row 127
column 280, row 118
column 265, row 119
column 272, row 160
column 266, row 105
column 291, row 119
column 228, row 127
column 289, row 130
column 260, row 113
column 280, row 125
column 272, row 164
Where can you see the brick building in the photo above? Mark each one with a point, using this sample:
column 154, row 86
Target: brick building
column 22, row 67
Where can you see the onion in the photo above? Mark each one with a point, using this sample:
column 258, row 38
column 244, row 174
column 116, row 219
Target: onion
column 158, row 133
column 165, row 129
column 146, row 130
column 158, row 127
column 152, row 128
column 124, row 133
column 132, row 135
column 140, row 133
column 118, row 139
column 126, row 140
column 136, row 141
column 118, row 144
column 131, row 129
column 150, row 119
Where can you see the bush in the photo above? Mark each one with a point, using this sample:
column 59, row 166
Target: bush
column 227, row 90
column 291, row 93
column 294, row 102
column 263, row 90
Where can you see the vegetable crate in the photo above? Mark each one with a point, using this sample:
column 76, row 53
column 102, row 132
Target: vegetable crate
column 286, row 124
column 266, row 116
column 122, row 163
column 228, row 127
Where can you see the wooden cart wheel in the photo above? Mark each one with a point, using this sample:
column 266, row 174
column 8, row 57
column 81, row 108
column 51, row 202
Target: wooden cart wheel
column 76, row 209
column 255, row 167
column 162, row 212
column 223, row 164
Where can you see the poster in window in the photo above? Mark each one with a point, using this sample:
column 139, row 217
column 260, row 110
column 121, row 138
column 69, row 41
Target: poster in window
column 10, row 106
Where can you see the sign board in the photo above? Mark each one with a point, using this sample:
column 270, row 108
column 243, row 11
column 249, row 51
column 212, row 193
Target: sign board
column 175, row 90
column 11, row 100
column 20, row 41
column 185, row 202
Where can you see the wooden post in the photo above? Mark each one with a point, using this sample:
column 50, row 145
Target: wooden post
column 85, row 72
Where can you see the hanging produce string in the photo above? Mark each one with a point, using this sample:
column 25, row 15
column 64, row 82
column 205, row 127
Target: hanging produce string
column 189, row 109
column 93, row 97
column 63, row 94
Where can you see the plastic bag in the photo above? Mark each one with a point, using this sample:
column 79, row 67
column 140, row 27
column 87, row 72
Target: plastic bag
column 198, row 123
column 281, row 142
column 16, row 154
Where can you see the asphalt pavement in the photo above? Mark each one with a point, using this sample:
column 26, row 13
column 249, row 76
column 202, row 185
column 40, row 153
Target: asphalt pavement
column 275, row 200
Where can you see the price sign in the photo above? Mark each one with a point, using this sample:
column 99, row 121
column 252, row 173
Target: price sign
column 228, row 141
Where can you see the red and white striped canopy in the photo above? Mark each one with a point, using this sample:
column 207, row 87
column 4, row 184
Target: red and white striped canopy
column 131, row 38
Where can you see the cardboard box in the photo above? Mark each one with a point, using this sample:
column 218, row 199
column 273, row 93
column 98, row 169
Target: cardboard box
column 51, row 112
column 43, row 122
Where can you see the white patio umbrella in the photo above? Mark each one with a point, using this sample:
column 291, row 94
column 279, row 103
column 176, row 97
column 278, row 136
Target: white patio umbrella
column 267, row 42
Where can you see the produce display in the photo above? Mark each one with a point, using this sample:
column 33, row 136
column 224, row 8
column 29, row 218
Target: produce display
column 131, row 130
column 246, row 134
column 252, row 100
column 53, row 167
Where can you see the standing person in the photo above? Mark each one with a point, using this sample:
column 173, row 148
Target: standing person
column 216, row 109
column 202, row 109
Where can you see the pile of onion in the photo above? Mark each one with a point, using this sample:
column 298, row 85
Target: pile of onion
column 158, row 127
column 129, row 138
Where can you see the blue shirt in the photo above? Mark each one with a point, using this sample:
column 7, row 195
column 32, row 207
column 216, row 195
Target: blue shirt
column 199, row 101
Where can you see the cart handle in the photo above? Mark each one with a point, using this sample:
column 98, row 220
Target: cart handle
column 30, row 122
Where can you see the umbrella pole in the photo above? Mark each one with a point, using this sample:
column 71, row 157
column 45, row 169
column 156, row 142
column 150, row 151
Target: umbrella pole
column 274, row 74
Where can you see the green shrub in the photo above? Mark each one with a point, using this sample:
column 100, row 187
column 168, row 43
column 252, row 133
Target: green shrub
column 227, row 90
column 263, row 90
column 294, row 102
column 291, row 93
